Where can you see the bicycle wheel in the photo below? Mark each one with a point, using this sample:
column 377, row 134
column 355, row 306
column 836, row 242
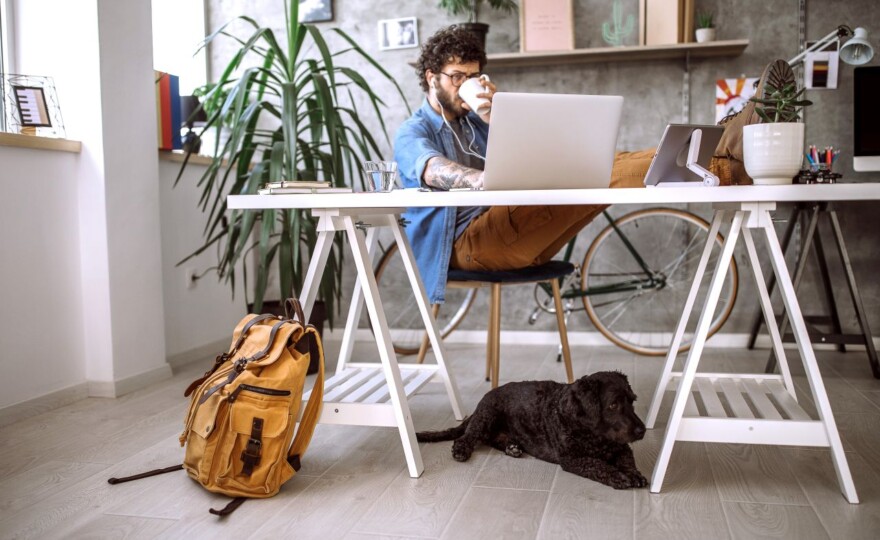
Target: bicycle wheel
column 639, row 310
column 405, row 321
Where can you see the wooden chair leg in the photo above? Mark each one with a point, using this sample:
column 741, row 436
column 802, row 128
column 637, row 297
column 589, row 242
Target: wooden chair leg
column 423, row 348
column 490, row 343
column 563, row 331
column 495, row 335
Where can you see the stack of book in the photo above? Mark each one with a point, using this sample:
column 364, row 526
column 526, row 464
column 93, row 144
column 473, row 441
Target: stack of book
column 285, row 187
column 168, row 111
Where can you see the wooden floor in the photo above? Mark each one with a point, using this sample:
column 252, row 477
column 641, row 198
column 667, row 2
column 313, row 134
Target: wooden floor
column 354, row 483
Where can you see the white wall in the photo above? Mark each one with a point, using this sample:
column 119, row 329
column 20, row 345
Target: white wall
column 206, row 312
column 90, row 240
column 41, row 318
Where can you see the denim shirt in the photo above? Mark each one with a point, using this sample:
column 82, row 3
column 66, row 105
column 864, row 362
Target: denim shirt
column 431, row 231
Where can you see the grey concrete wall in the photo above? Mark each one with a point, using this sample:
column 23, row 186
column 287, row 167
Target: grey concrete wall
column 653, row 93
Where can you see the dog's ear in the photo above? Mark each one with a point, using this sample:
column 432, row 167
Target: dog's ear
column 581, row 402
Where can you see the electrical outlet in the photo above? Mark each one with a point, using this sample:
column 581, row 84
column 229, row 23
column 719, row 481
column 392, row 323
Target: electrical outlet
column 191, row 278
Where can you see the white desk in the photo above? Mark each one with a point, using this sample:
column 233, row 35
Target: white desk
column 780, row 420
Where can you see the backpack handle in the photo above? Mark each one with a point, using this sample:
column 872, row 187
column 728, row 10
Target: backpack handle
column 244, row 331
column 265, row 351
column 292, row 308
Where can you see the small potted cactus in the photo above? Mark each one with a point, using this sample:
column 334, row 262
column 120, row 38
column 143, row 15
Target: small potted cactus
column 773, row 150
column 705, row 27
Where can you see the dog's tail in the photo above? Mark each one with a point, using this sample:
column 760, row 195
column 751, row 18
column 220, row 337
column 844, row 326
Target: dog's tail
column 445, row 435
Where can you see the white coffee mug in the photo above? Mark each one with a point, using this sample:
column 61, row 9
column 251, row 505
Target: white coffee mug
column 468, row 92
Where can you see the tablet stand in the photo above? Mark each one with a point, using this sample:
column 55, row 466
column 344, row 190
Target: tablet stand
column 708, row 178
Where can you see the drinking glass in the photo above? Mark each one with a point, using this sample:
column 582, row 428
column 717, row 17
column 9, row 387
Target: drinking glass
column 380, row 175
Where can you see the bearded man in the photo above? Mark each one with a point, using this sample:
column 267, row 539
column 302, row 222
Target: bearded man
column 442, row 146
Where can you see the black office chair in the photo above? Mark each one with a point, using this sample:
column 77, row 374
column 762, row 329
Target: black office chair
column 551, row 271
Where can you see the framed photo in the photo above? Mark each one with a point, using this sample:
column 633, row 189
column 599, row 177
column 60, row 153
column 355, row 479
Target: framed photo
column 32, row 109
column 311, row 11
column 398, row 33
column 546, row 25
column 30, row 105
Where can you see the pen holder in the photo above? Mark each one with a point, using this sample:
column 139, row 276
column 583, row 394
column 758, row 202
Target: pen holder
column 820, row 174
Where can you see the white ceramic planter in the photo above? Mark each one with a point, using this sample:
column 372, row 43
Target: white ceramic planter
column 773, row 153
column 705, row 34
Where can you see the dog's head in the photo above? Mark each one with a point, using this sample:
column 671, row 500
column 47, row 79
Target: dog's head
column 603, row 403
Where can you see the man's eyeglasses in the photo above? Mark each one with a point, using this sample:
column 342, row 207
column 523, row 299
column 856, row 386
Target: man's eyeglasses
column 458, row 77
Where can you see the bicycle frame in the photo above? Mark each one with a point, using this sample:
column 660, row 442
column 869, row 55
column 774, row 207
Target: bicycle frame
column 650, row 281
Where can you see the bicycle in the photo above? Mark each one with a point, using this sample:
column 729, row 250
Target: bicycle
column 635, row 275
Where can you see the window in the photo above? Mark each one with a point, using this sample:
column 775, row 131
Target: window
column 5, row 34
column 5, row 62
column 178, row 29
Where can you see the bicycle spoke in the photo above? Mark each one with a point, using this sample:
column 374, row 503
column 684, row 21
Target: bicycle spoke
column 643, row 320
column 621, row 309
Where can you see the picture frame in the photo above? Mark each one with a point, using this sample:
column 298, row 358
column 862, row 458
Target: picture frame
column 312, row 11
column 30, row 105
column 546, row 25
column 821, row 67
column 32, row 108
column 402, row 33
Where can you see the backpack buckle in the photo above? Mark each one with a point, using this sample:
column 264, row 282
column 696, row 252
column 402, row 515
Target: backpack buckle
column 250, row 456
column 252, row 451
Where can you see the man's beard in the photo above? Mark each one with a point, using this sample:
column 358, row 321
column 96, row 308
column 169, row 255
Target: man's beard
column 450, row 105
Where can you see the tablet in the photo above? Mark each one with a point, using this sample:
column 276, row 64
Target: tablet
column 670, row 161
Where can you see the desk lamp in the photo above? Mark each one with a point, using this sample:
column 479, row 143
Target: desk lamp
column 855, row 51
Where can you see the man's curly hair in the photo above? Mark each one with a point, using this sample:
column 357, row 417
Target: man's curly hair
column 445, row 46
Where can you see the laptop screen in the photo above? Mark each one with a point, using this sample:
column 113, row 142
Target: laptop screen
column 551, row 141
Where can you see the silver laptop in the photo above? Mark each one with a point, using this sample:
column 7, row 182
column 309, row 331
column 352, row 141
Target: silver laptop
column 551, row 141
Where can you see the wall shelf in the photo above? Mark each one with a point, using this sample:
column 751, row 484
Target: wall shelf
column 711, row 49
column 39, row 143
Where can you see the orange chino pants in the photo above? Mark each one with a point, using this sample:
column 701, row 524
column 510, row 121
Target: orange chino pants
column 510, row 237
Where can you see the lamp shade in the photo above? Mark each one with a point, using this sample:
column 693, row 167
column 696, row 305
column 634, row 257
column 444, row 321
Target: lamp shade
column 857, row 50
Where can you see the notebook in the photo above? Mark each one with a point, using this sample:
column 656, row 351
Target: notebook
column 551, row 141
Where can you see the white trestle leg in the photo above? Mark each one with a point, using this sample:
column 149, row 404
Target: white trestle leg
column 373, row 394
column 777, row 418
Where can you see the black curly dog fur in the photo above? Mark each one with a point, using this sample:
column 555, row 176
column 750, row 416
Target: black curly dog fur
column 585, row 427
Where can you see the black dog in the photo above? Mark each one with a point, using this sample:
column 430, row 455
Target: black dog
column 585, row 427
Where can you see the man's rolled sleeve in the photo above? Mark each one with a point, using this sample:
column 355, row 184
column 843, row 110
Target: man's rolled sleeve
column 414, row 145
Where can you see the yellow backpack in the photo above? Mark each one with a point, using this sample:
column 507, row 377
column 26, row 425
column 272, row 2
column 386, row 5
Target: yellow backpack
column 243, row 411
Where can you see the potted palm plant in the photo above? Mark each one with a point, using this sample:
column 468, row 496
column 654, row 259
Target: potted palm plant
column 472, row 8
column 773, row 150
column 288, row 107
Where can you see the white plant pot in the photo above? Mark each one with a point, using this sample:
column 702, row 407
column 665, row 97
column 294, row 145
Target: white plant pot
column 773, row 153
column 705, row 34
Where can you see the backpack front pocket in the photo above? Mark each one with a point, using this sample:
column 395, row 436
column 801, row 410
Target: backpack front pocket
column 260, row 425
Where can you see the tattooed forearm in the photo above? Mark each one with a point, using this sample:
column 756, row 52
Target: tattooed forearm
column 441, row 173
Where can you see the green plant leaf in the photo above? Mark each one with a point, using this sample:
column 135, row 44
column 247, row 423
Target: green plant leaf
column 286, row 118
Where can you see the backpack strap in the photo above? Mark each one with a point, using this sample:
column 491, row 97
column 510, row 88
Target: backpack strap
column 145, row 474
column 221, row 358
column 229, row 508
column 312, row 411
column 241, row 363
column 244, row 331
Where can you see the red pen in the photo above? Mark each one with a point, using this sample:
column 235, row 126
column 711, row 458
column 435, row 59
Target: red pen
column 828, row 155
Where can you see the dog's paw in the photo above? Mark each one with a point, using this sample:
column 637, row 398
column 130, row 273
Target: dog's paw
column 620, row 480
column 461, row 451
column 513, row 450
column 638, row 480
